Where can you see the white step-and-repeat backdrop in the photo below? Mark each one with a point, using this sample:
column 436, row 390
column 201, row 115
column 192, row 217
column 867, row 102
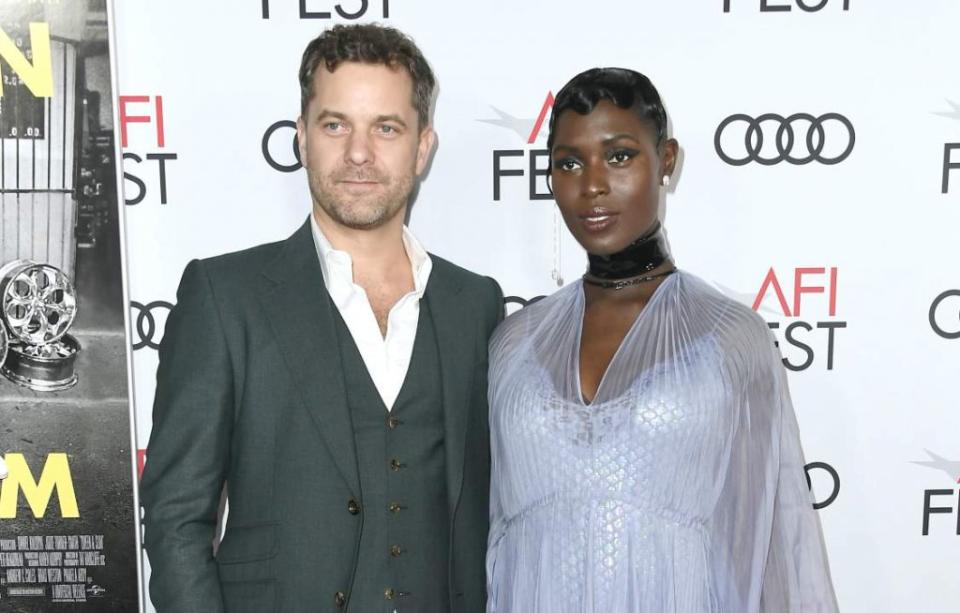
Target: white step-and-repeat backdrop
column 820, row 184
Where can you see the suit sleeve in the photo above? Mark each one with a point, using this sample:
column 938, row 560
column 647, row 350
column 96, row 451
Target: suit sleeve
column 188, row 452
column 496, row 297
column 495, row 531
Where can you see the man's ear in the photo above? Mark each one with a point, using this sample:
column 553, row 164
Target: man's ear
column 428, row 139
column 302, row 139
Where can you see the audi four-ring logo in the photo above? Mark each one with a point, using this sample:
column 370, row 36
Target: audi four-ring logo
column 148, row 322
column 935, row 307
column 520, row 301
column 834, row 483
column 828, row 139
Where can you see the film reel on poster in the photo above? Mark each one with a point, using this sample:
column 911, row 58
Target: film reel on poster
column 38, row 305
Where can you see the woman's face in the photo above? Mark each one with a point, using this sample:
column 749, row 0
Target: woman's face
column 606, row 171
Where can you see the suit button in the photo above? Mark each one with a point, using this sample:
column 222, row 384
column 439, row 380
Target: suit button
column 353, row 507
column 393, row 422
column 389, row 593
column 339, row 599
column 396, row 550
column 396, row 507
column 396, row 465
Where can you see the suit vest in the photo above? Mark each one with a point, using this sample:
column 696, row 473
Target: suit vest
column 403, row 557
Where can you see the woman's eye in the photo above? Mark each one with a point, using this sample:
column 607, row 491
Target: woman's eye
column 566, row 164
column 621, row 157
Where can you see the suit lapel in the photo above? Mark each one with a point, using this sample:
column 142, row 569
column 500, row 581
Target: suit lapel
column 300, row 311
column 456, row 350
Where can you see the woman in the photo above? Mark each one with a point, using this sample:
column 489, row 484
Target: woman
column 646, row 457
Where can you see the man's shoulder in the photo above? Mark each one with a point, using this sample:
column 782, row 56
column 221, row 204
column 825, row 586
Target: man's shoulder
column 465, row 287
column 449, row 272
column 231, row 275
column 243, row 262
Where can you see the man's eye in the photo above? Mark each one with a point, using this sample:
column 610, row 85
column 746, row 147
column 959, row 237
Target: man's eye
column 385, row 129
column 333, row 126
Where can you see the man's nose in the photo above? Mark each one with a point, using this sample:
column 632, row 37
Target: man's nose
column 359, row 149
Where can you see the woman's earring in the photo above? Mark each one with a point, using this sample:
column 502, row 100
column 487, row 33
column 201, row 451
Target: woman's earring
column 665, row 180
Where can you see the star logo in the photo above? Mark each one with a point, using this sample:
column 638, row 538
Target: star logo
column 954, row 114
column 522, row 127
column 936, row 462
column 747, row 300
column 527, row 129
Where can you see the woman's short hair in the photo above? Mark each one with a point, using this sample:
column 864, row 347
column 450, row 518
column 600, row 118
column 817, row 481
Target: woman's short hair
column 628, row 89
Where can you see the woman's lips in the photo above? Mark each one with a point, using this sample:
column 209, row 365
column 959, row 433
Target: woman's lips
column 598, row 220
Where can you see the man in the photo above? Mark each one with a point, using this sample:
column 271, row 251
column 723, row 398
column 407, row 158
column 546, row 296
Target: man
column 335, row 381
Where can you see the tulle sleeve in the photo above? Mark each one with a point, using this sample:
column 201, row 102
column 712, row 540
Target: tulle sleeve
column 499, row 354
column 497, row 529
column 796, row 577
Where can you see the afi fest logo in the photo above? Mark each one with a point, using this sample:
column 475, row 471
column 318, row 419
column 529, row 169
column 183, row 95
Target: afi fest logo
column 785, row 6
column 797, row 139
column 950, row 468
column 320, row 9
column 791, row 296
column 533, row 163
column 144, row 173
column 951, row 162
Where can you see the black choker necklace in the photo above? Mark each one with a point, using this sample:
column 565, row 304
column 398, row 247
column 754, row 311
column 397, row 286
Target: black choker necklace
column 622, row 283
column 639, row 257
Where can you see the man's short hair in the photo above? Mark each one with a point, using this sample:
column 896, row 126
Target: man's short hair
column 369, row 44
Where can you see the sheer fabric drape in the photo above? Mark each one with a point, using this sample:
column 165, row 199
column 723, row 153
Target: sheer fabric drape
column 680, row 488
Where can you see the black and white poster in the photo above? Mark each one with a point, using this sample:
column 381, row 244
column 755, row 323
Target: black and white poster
column 68, row 537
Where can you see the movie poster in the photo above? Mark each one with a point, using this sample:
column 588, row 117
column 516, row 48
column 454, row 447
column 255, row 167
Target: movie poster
column 68, row 540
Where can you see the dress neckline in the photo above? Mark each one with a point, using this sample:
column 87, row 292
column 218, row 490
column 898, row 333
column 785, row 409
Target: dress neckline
column 581, row 313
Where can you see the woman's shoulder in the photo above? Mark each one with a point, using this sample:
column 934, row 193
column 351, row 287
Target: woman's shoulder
column 718, row 310
column 522, row 324
column 738, row 332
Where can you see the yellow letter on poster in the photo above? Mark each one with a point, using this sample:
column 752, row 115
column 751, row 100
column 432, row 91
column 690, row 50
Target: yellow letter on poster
column 38, row 77
column 56, row 474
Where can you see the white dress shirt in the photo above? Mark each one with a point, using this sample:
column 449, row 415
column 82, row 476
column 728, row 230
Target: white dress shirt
column 387, row 358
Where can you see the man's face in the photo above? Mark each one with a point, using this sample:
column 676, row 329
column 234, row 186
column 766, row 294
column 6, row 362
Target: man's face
column 361, row 144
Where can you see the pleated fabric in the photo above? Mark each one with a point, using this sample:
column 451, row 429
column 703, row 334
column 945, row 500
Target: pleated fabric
column 680, row 488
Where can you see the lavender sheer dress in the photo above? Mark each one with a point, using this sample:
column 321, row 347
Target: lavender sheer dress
column 679, row 489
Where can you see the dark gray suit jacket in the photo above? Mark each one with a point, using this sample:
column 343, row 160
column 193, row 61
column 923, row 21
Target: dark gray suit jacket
column 250, row 393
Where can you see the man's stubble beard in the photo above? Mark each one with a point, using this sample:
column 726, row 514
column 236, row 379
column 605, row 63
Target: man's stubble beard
column 363, row 211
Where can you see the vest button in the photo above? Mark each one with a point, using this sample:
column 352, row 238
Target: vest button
column 396, row 507
column 389, row 593
column 339, row 599
column 396, row 465
column 396, row 550
column 353, row 507
column 393, row 422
